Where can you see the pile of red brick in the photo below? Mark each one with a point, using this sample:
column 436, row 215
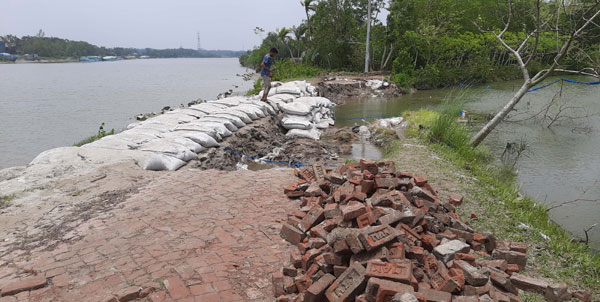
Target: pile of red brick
column 368, row 233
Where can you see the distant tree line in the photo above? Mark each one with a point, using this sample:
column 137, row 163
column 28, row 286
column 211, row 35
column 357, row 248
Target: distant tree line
column 427, row 43
column 51, row 47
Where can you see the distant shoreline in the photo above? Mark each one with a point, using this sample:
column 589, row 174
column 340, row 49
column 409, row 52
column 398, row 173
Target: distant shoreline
column 74, row 60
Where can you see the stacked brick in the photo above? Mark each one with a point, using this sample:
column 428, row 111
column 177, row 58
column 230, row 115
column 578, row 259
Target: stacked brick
column 366, row 232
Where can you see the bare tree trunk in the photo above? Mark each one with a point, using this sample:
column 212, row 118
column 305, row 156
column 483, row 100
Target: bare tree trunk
column 483, row 133
column 383, row 57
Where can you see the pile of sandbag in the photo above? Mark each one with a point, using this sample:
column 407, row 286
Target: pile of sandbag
column 305, row 113
column 168, row 141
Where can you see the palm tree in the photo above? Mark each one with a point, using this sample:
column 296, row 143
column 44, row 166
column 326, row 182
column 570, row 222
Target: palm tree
column 309, row 5
column 283, row 36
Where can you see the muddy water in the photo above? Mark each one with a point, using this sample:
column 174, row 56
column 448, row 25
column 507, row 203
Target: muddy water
column 563, row 161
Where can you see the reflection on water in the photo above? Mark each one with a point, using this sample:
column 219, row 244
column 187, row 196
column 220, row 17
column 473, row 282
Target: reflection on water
column 563, row 163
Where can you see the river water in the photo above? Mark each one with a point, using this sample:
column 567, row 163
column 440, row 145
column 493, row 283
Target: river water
column 563, row 161
column 43, row 106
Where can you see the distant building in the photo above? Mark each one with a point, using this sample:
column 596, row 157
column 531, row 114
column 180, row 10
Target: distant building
column 2, row 47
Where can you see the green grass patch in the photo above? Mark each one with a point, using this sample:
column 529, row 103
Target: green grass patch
column 498, row 192
column 101, row 133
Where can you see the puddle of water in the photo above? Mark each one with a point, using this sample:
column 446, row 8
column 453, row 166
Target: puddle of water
column 364, row 149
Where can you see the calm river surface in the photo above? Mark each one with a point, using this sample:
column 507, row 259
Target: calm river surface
column 564, row 161
column 43, row 106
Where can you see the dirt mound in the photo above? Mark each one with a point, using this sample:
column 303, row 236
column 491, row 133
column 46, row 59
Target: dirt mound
column 266, row 139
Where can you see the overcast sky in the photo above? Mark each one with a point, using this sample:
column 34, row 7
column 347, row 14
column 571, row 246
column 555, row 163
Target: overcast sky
column 223, row 24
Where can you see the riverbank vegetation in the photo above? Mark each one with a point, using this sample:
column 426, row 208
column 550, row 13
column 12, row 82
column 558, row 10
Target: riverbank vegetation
column 431, row 43
column 493, row 196
column 101, row 133
column 57, row 48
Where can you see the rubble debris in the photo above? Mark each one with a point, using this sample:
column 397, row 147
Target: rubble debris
column 366, row 232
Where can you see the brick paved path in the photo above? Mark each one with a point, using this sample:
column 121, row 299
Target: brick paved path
column 193, row 235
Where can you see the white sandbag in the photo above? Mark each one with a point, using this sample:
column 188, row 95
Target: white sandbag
column 144, row 131
column 186, row 142
column 159, row 162
column 180, row 114
column 316, row 118
column 296, row 122
column 235, row 114
column 227, row 123
column 288, row 89
column 311, row 90
column 296, row 108
column 250, row 109
column 300, row 84
column 178, row 151
column 156, row 126
column 231, row 118
column 329, row 120
column 201, row 138
column 173, row 118
column 249, row 113
column 210, row 131
column 286, row 98
column 133, row 138
column 110, row 142
column 266, row 107
column 229, row 101
column 322, row 102
column 220, row 128
column 208, row 108
column 311, row 134
column 132, row 125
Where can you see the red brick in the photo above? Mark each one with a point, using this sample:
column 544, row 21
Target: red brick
column 176, row 288
column 367, row 186
column 316, row 292
column 312, row 218
column 332, row 210
column 278, row 284
column 528, row 284
column 456, row 199
column 364, row 220
column 381, row 290
column 417, row 253
column 397, row 271
column 129, row 294
column 338, row 270
column 396, row 251
column 353, row 210
column 291, row 233
column 519, row 247
column 347, row 285
column 292, row 191
column 24, row 285
column 367, row 165
column 377, row 236
column 420, row 180
column 431, row 295
column 512, row 257
column 340, row 247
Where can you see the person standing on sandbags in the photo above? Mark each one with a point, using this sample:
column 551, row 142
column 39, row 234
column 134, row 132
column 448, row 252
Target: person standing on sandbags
column 266, row 71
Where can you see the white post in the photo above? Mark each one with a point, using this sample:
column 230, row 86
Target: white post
column 368, row 37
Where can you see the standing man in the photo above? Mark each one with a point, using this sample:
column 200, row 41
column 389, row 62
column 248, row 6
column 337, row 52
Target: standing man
column 266, row 71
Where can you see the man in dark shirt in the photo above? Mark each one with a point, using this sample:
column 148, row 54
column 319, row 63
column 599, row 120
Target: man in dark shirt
column 266, row 71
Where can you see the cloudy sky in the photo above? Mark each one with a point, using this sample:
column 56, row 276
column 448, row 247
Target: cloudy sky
column 223, row 24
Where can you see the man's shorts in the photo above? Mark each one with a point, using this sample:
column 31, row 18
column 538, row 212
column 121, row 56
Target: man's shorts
column 267, row 81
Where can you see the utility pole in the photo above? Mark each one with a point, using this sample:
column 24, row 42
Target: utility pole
column 367, row 55
column 199, row 45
